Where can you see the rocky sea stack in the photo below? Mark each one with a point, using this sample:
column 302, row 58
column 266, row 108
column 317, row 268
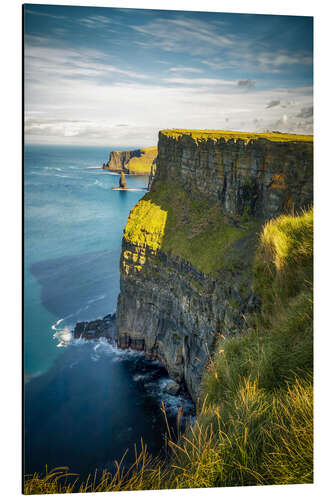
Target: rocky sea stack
column 122, row 181
column 188, row 246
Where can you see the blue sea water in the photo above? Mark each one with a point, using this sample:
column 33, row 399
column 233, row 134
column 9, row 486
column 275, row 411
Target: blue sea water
column 85, row 402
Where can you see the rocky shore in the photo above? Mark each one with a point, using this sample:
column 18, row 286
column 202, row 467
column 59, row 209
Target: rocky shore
column 91, row 330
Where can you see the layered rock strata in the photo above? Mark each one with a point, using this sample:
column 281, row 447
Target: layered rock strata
column 186, row 263
column 258, row 177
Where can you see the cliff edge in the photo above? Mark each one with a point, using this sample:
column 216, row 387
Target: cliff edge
column 188, row 246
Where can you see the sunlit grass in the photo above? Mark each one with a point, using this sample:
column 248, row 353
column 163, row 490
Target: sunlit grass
column 245, row 136
column 142, row 164
column 284, row 259
column 169, row 220
column 145, row 225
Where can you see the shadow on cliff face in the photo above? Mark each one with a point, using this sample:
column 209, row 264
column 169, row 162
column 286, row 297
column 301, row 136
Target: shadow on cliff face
column 79, row 286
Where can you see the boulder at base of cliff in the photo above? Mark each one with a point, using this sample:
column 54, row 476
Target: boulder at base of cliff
column 172, row 388
column 92, row 330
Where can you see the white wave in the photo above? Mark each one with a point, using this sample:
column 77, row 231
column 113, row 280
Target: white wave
column 94, row 168
column 94, row 172
column 172, row 403
column 137, row 377
column 29, row 376
column 64, row 336
column 64, row 176
column 54, row 327
column 96, row 183
column 96, row 299
column 132, row 189
column 94, row 358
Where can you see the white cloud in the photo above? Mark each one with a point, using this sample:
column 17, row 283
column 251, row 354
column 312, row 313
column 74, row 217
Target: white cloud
column 183, row 69
column 274, row 59
column 178, row 35
column 77, row 96
column 272, row 104
column 83, row 112
column 45, row 14
column 253, row 58
column 200, row 81
column 47, row 62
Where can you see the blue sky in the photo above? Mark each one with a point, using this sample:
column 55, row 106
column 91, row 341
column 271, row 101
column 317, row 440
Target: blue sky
column 107, row 76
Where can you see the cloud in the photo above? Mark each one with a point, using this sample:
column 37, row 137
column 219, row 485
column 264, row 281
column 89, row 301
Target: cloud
column 80, row 95
column 192, row 36
column 42, row 62
column 96, row 22
column 200, row 81
column 306, row 112
column 272, row 104
column 246, row 83
column 185, row 69
column 45, row 14
column 85, row 112
column 250, row 57
column 282, row 59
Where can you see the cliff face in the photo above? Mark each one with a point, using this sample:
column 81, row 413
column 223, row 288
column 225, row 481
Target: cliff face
column 187, row 250
column 136, row 162
column 259, row 177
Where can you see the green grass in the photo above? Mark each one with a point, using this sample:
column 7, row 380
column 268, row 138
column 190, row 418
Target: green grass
column 255, row 419
column 245, row 136
column 142, row 164
column 168, row 219
column 146, row 224
column 284, row 260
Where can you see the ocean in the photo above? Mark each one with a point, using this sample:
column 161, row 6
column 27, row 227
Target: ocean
column 85, row 402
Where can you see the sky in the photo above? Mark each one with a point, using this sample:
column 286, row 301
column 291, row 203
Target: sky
column 110, row 76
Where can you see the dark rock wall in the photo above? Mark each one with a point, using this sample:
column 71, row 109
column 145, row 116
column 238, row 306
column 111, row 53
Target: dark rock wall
column 262, row 178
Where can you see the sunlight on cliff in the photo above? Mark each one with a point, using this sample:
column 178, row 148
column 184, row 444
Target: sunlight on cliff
column 228, row 135
column 145, row 228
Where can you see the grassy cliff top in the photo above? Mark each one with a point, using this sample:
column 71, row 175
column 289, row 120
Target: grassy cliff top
column 142, row 164
column 150, row 149
column 245, row 136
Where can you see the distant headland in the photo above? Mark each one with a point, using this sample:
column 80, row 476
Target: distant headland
column 135, row 162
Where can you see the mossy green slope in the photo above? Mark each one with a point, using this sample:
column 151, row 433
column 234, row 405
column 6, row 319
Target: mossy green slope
column 195, row 230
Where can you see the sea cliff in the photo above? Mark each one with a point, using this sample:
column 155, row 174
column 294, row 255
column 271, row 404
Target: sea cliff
column 135, row 162
column 188, row 246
